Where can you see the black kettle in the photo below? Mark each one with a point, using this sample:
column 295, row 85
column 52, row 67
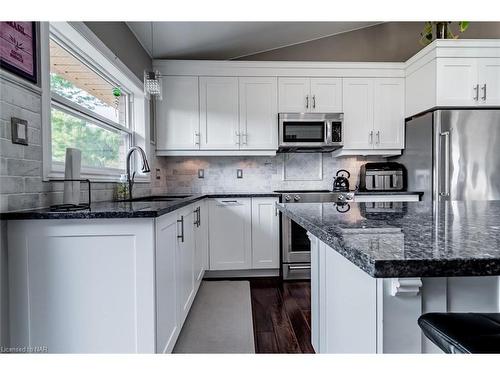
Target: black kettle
column 341, row 182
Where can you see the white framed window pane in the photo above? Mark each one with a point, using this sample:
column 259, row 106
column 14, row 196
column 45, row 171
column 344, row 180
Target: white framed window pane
column 75, row 81
column 101, row 146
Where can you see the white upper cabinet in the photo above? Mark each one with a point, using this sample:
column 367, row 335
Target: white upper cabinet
column 373, row 115
column 358, row 113
column 453, row 74
column 489, row 81
column 219, row 122
column 326, row 95
column 294, row 94
column 265, row 233
column 457, row 82
column 297, row 94
column 177, row 117
column 258, row 113
column 389, row 112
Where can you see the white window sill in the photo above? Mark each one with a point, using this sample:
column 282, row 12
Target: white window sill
column 93, row 177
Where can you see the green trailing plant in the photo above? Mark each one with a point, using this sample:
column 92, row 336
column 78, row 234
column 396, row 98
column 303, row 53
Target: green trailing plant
column 441, row 30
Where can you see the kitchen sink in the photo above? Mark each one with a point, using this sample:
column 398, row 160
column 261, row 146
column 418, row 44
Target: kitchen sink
column 157, row 198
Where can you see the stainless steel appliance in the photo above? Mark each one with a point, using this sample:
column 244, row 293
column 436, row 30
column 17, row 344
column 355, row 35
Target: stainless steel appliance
column 310, row 132
column 454, row 154
column 295, row 245
column 382, row 177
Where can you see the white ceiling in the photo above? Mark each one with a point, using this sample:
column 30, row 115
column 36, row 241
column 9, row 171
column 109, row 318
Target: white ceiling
column 229, row 40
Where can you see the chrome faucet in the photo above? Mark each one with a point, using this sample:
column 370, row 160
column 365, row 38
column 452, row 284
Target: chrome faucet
column 144, row 168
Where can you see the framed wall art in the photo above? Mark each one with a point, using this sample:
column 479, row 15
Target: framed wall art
column 18, row 49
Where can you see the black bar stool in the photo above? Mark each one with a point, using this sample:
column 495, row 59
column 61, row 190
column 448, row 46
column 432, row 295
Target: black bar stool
column 463, row 332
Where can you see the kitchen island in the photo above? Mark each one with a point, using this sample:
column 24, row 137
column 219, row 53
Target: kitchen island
column 375, row 270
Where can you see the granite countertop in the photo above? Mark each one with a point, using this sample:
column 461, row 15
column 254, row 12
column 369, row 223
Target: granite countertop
column 405, row 239
column 117, row 210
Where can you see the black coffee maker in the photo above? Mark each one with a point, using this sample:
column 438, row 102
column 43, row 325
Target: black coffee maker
column 341, row 182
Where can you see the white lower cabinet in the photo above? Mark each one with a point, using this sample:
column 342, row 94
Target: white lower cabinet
column 244, row 234
column 265, row 227
column 167, row 311
column 185, row 260
column 230, row 234
column 201, row 241
column 127, row 285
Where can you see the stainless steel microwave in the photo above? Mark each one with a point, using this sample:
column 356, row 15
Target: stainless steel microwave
column 310, row 132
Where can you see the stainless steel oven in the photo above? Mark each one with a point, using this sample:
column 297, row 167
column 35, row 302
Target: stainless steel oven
column 310, row 132
column 295, row 244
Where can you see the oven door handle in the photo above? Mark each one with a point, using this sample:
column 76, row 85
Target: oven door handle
column 303, row 267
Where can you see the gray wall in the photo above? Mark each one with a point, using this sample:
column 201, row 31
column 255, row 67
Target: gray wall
column 391, row 41
column 119, row 39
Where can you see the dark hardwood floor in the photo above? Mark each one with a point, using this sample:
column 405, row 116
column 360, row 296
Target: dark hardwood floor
column 281, row 315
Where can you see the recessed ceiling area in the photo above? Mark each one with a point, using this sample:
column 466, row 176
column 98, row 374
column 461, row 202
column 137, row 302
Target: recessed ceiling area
column 230, row 40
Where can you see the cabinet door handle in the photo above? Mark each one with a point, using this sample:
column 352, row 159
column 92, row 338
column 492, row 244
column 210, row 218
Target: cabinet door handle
column 181, row 221
column 476, row 92
column 484, row 91
column 196, row 138
column 371, row 137
column 237, row 137
column 314, row 101
column 199, row 216
column 378, row 136
column 307, row 101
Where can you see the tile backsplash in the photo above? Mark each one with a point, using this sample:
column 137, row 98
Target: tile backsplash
column 280, row 172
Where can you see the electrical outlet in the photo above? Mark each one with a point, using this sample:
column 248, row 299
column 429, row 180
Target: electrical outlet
column 201, row 173
column 239, row 173
column 158, row 174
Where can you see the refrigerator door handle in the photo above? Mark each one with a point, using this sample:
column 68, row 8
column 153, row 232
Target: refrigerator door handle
column 446, row 192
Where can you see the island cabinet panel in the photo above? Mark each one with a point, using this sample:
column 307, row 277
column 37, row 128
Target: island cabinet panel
column 230, row 234
column 78, row 286
column 167, row 311
column 350, row 306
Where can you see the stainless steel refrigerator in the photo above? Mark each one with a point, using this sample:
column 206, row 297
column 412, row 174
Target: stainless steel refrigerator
column 454, row 154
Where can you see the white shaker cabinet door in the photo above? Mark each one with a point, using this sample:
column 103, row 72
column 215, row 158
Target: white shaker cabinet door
column 457, row 82
column 265, row 233
column 177, row 115
column 201, row 240
column 167, row 312
column 185, row 261
column 230, row 234
column 326, row 95
column 219, row 122
column 358, row 113
column 489, row 81
column 294, row 94
column 389, row 110
column 258, row 113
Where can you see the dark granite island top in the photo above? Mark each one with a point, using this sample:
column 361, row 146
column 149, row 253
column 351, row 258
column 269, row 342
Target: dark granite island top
column 119, row 210
column 405, row 239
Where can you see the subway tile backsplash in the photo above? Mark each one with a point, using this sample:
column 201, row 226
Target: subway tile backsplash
column 281, row 172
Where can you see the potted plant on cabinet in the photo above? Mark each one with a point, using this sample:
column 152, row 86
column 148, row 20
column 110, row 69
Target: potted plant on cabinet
column 441, row 30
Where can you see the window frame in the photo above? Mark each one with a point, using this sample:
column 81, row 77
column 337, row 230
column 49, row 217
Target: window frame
column 79, row 40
